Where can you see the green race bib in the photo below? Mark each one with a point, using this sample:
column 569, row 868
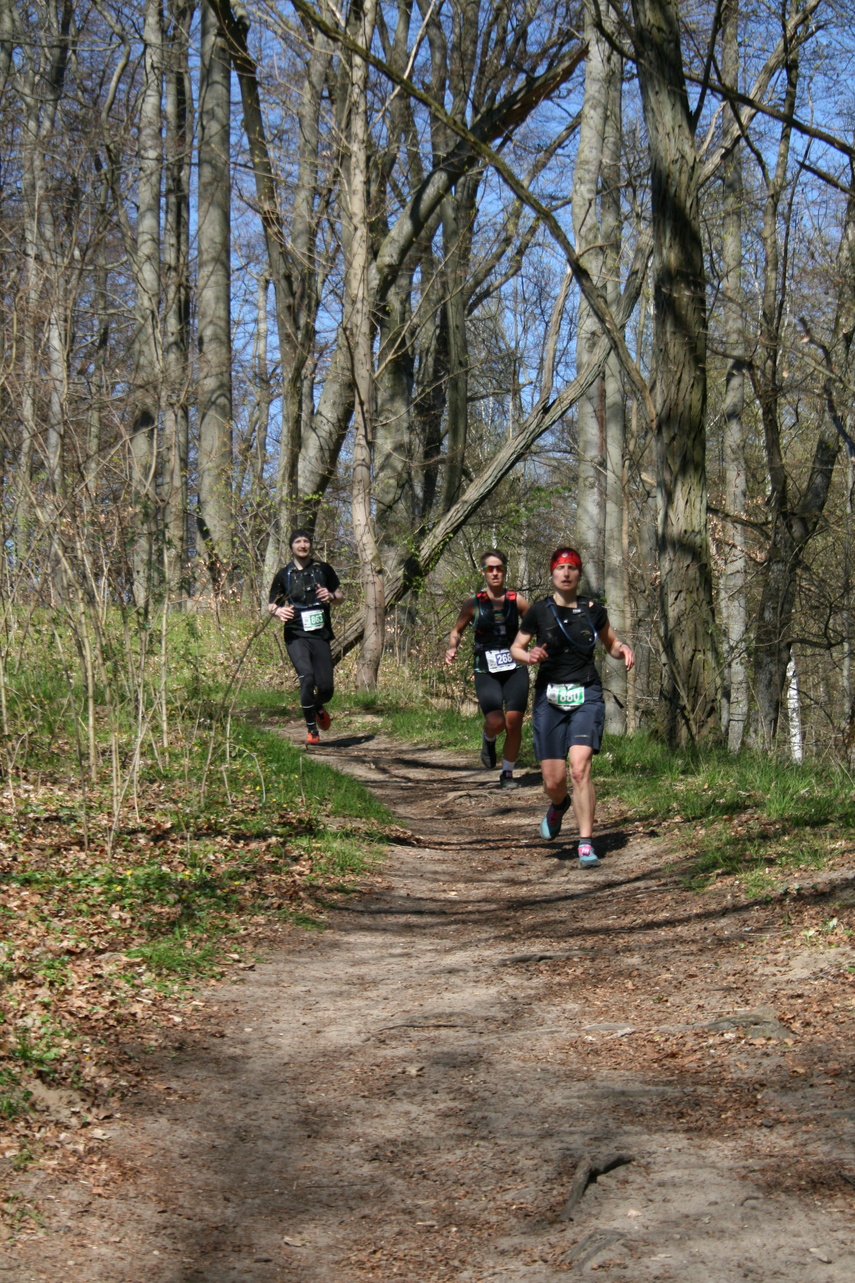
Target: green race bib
column 562, row 695
column 312, row 620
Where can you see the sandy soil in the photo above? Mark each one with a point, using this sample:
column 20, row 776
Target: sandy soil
column 421, row 1091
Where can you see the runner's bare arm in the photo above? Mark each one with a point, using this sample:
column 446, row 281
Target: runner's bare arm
column 331, row 598
column 464, row 619
column 520, row 649
column 617, row 649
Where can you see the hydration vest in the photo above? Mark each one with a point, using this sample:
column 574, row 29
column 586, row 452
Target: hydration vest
column 310, row 578
column 587, row 647
column 492, row 631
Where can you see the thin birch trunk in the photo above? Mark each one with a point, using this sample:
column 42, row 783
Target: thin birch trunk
column 794, row 712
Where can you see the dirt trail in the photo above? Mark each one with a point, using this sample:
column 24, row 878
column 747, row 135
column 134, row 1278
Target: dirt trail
column 410, row 1093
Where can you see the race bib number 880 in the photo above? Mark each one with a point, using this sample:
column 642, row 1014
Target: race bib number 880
column 565, row 696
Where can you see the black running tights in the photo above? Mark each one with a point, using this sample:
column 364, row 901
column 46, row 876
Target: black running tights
column 312, row 658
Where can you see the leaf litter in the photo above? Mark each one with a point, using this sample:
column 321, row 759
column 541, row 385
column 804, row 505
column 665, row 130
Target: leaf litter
column 660, row 966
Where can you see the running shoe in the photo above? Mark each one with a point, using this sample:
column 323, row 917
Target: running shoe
column 488, row 753
column 550, row 825
column 507, row 781
column 587, row 856
column 323, row 718
column 312, row 739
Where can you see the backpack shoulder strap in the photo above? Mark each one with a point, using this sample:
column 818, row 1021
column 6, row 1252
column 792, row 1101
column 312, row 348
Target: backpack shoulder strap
column 586, row 650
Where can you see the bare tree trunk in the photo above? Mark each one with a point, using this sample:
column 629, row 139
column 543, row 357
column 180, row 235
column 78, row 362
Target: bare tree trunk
column 260, row 416
column 591, row 411
column 177, row 298
column 456, row 215
column 615, row 563
column 214, row 301
column 792, row 524
column 393, row 477
column 40, row 85
column 99, row 384
column 689, row 703
column 796, row 516
column 147, row 357
column 732, row 590
column 293, row 267
column 846, row 664
column 358, row 325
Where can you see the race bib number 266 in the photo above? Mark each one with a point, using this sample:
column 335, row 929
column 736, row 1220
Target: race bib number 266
column 500, row 661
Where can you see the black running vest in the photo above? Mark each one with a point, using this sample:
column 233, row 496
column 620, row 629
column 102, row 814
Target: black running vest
column 493, row 631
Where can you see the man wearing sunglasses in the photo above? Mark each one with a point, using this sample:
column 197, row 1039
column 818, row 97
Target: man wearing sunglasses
column 501, row 684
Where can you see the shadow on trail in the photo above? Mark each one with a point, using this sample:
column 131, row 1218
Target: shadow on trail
column 381, row 1088
column 427, row 914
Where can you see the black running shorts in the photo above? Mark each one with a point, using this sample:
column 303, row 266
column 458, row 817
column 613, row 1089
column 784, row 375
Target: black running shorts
column 557, row 730
column 496, row 691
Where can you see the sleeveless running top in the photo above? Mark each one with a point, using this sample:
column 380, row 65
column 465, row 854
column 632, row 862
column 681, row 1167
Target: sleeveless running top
column 494, row 631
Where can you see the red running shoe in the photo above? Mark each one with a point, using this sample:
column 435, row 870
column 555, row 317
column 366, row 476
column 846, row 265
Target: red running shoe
column 312, row 740
column 323, row 719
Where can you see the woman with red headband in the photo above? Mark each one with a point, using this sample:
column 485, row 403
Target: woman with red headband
column 569, row 712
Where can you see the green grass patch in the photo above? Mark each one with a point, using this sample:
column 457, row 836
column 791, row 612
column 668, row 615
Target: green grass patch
column 751, row 815
column 14, row 1099
column 179, row 955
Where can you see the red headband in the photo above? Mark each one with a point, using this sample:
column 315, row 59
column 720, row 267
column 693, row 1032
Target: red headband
column 566, row 558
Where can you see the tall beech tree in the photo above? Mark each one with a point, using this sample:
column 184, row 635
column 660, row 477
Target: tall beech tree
column 689, row 700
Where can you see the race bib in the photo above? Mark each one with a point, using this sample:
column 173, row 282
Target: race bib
column 563, row 696
column 312, row 620
column 500, row 661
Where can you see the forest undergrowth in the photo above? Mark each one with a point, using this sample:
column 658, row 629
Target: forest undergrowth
column 124, row 908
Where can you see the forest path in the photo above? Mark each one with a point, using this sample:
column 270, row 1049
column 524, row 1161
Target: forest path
column 409, row 1094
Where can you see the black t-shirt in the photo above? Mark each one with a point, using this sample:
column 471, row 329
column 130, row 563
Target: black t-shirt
column 298, row 588
column 569, row 658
